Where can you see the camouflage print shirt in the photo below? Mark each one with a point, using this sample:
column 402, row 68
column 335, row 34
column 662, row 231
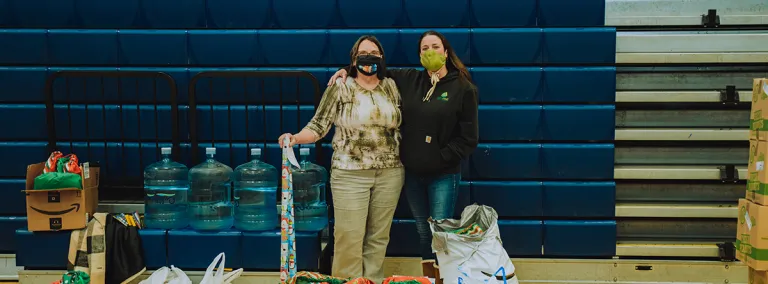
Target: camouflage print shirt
column 367, row 124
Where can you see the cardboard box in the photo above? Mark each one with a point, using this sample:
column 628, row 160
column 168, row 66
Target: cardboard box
column 757, row 174
column 757, row 277
column 752, row 235
column 758, row 118
column 64, row 208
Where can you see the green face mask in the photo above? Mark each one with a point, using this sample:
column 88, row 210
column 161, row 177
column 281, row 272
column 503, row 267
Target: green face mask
column 432, row 60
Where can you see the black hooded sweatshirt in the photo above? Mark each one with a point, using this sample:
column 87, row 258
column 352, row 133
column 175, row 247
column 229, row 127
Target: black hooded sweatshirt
column 437, row 134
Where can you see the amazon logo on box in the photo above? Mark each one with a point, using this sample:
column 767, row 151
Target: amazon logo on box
column 61, row 208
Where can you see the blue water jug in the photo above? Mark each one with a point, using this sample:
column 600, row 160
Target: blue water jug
column 309, row 182
column 166, row 186
column 255, row 194
column 210, row 206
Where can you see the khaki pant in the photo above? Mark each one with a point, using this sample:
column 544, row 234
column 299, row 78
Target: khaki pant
column 364, row 204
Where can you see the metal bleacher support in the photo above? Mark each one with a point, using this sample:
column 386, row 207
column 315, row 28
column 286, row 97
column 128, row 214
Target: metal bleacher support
column 683, row 94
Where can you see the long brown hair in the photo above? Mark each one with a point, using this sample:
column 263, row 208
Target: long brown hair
column 453, row 59
column 382, row 70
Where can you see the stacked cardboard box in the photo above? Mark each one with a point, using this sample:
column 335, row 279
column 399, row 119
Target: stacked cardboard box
column 64, row 208
column 752, row 235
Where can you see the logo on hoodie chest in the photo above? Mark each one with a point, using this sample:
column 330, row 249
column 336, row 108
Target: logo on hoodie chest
column 443, row 97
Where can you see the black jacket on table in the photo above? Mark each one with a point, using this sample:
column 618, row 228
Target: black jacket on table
column 437, row 134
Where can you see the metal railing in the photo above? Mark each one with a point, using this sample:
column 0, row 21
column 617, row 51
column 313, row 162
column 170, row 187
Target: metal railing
column 115, row 119
column 257, row 94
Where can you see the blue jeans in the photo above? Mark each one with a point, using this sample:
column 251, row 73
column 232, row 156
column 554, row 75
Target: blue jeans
column 430, row 196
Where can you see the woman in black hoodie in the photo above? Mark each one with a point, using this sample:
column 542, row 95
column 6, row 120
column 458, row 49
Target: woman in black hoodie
column 439, row 130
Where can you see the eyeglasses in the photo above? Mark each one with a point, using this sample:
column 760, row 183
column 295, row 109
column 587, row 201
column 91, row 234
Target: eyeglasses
column 374, row 53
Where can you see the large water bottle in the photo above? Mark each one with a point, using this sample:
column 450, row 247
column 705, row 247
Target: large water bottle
column 310, row 208
column 165, row 188
column 210, row 206
column 255, row 194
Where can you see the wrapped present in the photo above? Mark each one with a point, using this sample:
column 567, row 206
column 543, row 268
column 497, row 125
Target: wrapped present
column 306, row 277
column 407, row 280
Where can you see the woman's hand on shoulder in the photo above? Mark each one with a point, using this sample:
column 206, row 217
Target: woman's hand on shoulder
column 339, row 74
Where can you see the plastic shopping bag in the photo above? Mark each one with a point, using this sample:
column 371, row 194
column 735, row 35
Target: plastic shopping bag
column 218, row 277
column 167, row 275
column 499, row 277
column 471, row 248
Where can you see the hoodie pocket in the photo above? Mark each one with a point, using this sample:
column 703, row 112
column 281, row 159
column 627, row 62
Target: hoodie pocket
column 421, row 151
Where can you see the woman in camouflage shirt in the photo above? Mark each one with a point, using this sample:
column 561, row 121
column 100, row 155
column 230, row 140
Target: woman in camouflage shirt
column 366, row 173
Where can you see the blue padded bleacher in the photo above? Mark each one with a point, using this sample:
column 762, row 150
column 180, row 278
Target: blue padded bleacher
column 577, row 161
column 477, row 46
column 14, row 200
column 449, row 13
column 22, row 154
column 385, row 14
column 546, row 76
column 521, row 84
column 40, row 13
column 500, row 85
column 580, row 238
column 492, row 13
column 155, row 245
column 280, row 47
column 521, row 237
column 237, row 14
column 403, row 233
column 579, row 46
column 523, row 122
column 196, row 250
column 8, row 227
column 506, row 161
column 550, row 123
column 579, row 199
column 578, row 122
column 23, row 46
column 42, row 250
column 542, row 161
column 152, row 47
column 22, row 84
column 304, row 14
column 568, row 13
column 510, row 199
column 83, row 47
column 298, row 14
column 223, row 47
column 524, row 46
column 108, row 14
column 187, row 14
column 261, row 251
column 579, row 85
column 32, row 129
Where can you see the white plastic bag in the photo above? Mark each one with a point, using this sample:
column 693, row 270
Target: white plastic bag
column 500, row 276
column 167, row 275
column 219, row 277
column 475, row 258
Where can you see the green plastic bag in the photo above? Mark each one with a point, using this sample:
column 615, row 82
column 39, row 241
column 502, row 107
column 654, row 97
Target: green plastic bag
column 75, row 277
column 56, row 180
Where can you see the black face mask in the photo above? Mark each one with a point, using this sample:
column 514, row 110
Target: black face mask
column 368, row 64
